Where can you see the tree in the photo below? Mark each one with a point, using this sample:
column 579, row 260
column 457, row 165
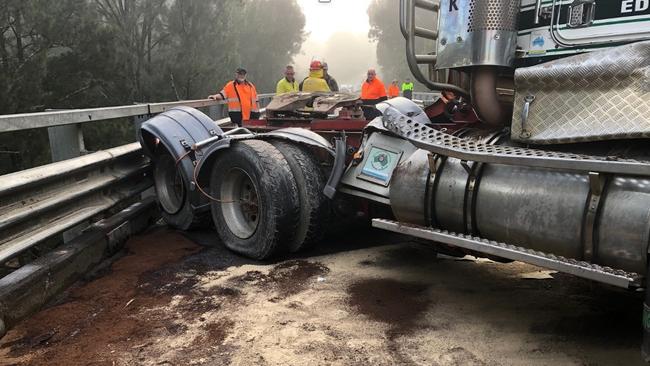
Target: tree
column 138, row 26
column 33, row 32
column 28, row 35
column 92, row 53
column 198, row 56
column 82, row 53
column 391, row 47
column 270, row 32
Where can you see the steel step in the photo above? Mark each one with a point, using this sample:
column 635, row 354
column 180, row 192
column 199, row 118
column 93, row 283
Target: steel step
column 582, row 269
column 442, row 143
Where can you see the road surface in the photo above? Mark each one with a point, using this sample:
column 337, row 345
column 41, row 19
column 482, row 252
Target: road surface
column 372, row 298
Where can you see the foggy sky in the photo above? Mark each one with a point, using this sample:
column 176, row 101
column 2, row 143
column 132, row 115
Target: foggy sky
column 337, row 34
column 348, row 55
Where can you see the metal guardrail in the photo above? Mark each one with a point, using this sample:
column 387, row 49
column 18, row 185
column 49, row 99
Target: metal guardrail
column 40, row 204
column 17, row 122
column 37, row 204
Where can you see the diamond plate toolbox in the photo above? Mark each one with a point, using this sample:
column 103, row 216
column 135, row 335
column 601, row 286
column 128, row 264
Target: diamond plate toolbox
column 595, row 96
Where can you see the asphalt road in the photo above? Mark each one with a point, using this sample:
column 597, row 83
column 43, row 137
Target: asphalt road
column 366, row 298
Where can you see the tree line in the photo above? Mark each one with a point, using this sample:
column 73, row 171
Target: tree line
column 83, row 53
column 91, row 53
column 391, row 47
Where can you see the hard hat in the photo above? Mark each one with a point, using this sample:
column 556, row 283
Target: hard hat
column 315, row 65
column 240, row 70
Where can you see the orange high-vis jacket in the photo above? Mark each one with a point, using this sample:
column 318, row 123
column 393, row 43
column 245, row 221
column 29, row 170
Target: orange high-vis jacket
column 373, row 90
column 241, row 97
column 393, row 91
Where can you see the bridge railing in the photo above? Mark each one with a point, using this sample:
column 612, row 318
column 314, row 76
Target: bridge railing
column 43, row 205
column 64, row 126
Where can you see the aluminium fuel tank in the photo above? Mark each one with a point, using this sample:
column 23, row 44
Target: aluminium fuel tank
column 546, row 210
column 536, row 208
column 553, row 211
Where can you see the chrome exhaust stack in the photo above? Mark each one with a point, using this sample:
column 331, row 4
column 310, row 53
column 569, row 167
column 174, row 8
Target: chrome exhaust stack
column 475, row 36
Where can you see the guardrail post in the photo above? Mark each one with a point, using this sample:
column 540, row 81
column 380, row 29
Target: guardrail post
column 137, row 122
column 216, row 111
column 66, row 142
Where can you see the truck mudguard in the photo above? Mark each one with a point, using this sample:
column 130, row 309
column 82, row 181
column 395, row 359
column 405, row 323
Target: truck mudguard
column 301, row 136
column 177, row 130
column 297, row 135
column 181, row 129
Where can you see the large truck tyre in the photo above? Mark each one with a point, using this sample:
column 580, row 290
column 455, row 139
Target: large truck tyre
column 172, row 194
column 255, row 205
column 310, row 180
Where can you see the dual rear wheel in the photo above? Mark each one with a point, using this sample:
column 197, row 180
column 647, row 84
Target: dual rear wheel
column 268, row 198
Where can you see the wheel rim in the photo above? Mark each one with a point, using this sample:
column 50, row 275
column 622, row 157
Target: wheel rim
column 240, row 203
column 169, row 185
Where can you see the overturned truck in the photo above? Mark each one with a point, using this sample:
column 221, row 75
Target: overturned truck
column 555, row 171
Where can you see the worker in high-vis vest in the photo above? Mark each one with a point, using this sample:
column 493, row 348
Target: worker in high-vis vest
column 241, row 97
column 407, row 89
column 393, row 89
column 373, row 91
column 288, row 83
column 315, row 82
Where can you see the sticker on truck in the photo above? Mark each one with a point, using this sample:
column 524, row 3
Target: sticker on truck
column 379, row 165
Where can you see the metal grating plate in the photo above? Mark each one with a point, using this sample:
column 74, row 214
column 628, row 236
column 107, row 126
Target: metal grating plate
column 445, row 144
column 615, row 277
column 493, row 15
